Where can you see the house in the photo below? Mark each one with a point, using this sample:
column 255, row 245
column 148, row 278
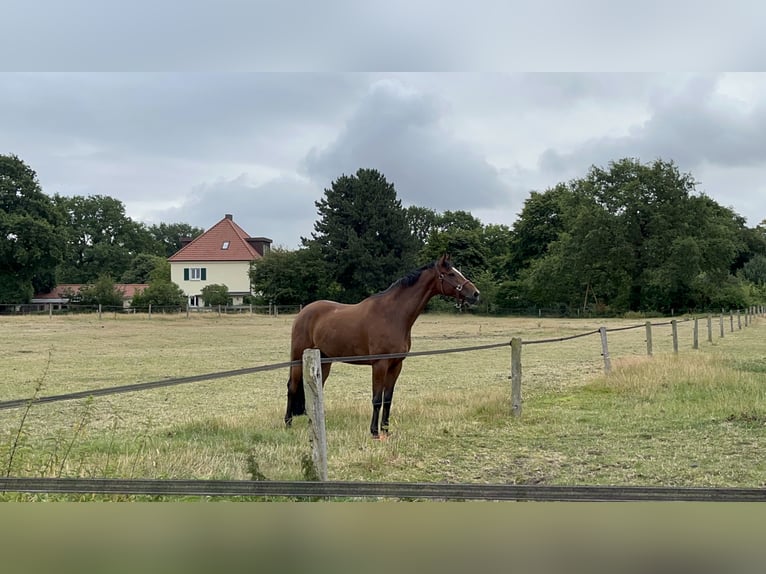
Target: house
column 220, row 256
column 66, row 293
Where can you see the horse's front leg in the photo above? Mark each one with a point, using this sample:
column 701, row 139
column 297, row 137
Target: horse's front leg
column 377, row 400
column 388, row 393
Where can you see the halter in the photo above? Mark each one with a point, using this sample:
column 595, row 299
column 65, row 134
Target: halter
column 458, row 288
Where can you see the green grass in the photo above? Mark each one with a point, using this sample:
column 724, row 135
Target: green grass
column 695, row 419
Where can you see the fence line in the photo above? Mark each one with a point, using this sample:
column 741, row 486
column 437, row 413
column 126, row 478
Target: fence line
column 16, row 403
column 323, row 488
column 343, row 489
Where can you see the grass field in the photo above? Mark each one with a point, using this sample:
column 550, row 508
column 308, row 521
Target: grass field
column 695, row 419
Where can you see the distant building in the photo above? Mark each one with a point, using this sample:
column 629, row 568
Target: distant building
column 66, row 293
column 220, row 256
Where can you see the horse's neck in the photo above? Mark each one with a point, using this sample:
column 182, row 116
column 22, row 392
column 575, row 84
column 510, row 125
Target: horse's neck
column 412, row 300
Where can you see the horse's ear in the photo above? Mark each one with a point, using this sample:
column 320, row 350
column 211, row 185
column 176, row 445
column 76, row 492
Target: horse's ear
column 444, row 260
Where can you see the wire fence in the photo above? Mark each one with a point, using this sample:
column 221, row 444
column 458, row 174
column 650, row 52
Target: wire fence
column 174, row 381
column 58, row 309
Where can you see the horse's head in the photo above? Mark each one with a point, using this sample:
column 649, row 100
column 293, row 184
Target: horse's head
column 454, row 284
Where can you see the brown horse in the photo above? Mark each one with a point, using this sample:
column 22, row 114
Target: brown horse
column 378, row 325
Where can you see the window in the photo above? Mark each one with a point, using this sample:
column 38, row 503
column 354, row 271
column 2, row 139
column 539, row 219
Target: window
column 225, row 245
column 195, row 273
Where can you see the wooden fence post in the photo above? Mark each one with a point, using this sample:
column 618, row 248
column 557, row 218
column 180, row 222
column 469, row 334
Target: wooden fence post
column 696, row 335
column 312, row 388
column 709, row 328
column 50, row 310
column 99, row 311
column 516, row 377
column 731, row 321
column 674, row 329
column 150, row 310
column 649, row 338
column 739, row 320
column 605, row 350
column 720, row 320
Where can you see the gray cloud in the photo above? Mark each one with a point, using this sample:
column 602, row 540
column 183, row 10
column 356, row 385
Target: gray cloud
column 691, row 123
column 191, row 147
column 238, row 35
column 398, row 131
column 282, row 209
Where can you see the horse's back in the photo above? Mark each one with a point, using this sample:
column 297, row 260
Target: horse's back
column 336, row 329
column 310, row 321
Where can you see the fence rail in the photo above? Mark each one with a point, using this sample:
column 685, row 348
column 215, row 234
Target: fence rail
column 407, row 490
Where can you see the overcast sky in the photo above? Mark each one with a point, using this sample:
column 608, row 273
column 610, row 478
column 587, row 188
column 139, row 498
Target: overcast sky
column 190, row 147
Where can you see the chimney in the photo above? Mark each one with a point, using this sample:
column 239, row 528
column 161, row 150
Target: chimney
column 229, row 217
column 184, row 241
column 261, row 244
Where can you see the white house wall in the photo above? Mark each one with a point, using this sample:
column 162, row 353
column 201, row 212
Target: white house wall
column 233, row 274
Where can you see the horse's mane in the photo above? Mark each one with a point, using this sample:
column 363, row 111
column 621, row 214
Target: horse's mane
column 408, row 280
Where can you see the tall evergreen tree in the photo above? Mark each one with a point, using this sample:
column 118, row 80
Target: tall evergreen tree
column 363, row 234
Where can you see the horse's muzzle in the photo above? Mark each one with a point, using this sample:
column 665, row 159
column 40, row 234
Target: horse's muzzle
column 471, row 299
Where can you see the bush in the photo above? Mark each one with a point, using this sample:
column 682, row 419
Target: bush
column 160, row 294
column 102, row 292
column 215, row 295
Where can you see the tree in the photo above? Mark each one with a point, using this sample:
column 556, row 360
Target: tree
column 100, row 238
column 160, row 294
column 454, row 220
column 169, row 235
column 539, row 224
column 466, row 246
column 461, row 235
column 30, row 227
column 362, row 234
column 145, row 267
column 102, row 292
column 285, row 277
column 631, row 237
column 422, row 221
column 215, row 294
column 755, row 270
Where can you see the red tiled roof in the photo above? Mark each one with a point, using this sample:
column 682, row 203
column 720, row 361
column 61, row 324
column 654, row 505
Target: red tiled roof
column 210, row 245
column 60, row 291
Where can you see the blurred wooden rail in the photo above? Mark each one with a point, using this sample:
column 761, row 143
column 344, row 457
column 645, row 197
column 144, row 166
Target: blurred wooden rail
column 333, row 489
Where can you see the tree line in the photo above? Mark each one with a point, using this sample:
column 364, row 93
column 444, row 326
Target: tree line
column 632, row 237
column 629, row 237
column 47, row 241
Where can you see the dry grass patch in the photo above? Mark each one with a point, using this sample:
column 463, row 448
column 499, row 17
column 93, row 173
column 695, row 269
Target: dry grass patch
column 694, row 419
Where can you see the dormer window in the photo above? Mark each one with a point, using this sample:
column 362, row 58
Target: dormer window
column 225, row 245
